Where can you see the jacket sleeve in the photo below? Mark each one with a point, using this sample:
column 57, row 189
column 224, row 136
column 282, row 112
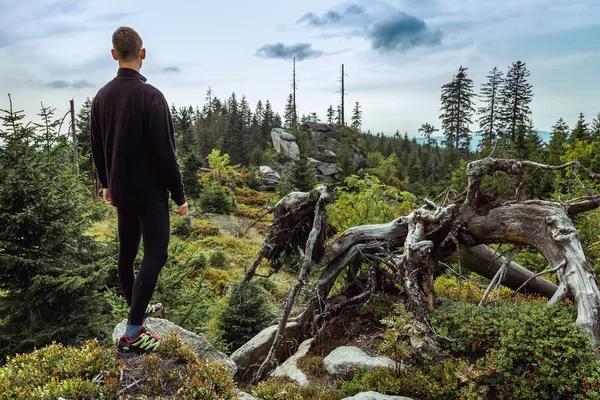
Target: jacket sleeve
column 97, row 145
column 162, row 136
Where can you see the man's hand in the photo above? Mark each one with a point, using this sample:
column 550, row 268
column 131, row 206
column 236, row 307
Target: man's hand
column 182, row 210
column 106, row 195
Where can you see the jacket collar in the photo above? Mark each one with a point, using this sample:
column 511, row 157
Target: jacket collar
column 128, row 73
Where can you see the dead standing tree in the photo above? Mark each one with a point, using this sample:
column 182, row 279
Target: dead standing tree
column 406, row 250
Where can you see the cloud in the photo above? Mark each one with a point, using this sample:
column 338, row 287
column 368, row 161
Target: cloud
column 62, row 84
column 171, row 69
column 300, row 51
column 403, row 32
column 332, row 17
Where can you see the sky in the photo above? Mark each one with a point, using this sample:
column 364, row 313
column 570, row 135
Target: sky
column 397, row 53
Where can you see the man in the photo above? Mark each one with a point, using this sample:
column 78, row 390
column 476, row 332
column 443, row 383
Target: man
column 133, row 147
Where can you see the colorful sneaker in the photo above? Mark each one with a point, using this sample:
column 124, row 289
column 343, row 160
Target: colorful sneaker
column 144, row 343
column 152, row 310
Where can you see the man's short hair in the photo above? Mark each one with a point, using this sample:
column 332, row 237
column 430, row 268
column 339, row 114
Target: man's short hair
column 127, row 43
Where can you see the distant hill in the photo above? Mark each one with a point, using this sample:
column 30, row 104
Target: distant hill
column 476, row 139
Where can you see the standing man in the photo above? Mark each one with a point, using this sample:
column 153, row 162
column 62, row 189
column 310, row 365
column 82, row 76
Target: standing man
column 133, row 147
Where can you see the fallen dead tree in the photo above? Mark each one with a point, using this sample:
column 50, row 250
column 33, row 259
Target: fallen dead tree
column 406, row 250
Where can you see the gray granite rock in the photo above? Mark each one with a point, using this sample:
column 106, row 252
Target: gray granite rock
column 251, row 355
column 375, row 396
column 197, row 343
column 342, row 361
column 290, row 368
column 285, row 143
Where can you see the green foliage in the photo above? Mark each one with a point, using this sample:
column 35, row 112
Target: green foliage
column 445, row 380
column 283, row 389
column 51, row 273
column 541, row 353
column 245, row 314
column 530, row 351
column 217, row 199
column 314, row 366
column 222, row 172
column 56, row 370
column 367, row 201
column 302, row 177
column 180, row 227
column 379, row 306
column 401, row 329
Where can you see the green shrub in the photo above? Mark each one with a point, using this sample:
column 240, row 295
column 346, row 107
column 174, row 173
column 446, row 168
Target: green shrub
column 529, row 351
column 97, row 210
column 245, row 314
column 541, row 354
column 284, row 389
column 56, row 370
column 314, row 366
column 180, row 227
column 218, row 258
column 216, row 199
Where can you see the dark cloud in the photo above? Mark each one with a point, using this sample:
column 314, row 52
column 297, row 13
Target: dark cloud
column 300, row 51
column 403, row 32
column 333, row 17
column 62, row 84
column 171, row 69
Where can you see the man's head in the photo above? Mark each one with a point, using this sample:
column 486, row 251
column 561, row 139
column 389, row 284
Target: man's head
column 128, row 48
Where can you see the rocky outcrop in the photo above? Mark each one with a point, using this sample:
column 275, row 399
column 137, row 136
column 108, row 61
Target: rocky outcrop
column 375, row 396
column 197, row 343
column 342, row 361
column 324, row 142
column 251, row 355
column 289, row 368
column 285, row 143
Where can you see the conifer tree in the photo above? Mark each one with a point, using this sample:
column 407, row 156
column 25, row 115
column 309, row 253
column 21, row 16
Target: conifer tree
column 268, row 122
column 338, row 115
column 356, row 117
column 302, row 175
column 595, row 130
column 427, row 130
column 86, row 165
column 558, row 138
column 188, row 152
column 516, row 95
column 330, row 115
column 288, row 115
column 489, row 114
column 49, row 283
column 457, row 110
column 581, row 131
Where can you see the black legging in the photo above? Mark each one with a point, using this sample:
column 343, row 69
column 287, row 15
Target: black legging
column 150, row 221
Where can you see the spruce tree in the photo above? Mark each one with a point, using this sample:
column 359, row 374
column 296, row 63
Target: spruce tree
column 427, row 130
column 188, row 152
column 268, row 122
column 288, row 115
column 356, row 117
column 302, row 175
column 50, row 283
column 595, row 130
column 581, row 131
column 330, row 115
column 516, row 95
column 489, row 114
column 558, row 139
column 457, row 110
column 86, row 165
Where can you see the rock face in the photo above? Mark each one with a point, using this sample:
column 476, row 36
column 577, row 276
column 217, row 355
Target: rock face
column 290, row 368
column 250, row 356
column 285, row 143
column 375, row 396
column 197, row 343
column 342, row 361
column 324, row 145
column 268, row 173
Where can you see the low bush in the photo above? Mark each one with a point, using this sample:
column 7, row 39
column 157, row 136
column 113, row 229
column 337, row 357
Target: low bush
column 284, row 389
column 216, row 199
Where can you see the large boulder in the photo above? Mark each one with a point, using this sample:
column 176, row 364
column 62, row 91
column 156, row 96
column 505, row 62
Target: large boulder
column 268, row 173
column 245, row 396
column 290, row 368
column 342, row 361
column 375, row 396
column 324, row 168
column 285, row 143
column 197, row 343
column 251, row 355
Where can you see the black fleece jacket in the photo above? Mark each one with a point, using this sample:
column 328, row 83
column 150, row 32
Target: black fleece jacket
column 133, row 143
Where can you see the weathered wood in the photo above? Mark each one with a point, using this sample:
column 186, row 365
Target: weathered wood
column 486, row 262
